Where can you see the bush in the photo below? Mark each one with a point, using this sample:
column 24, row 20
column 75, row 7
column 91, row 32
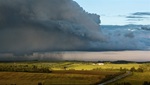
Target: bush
column 140, row 70
column 133, row 69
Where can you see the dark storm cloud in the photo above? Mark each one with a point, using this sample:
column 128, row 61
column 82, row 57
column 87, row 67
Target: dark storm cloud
column 38, row 29
column 46, row 25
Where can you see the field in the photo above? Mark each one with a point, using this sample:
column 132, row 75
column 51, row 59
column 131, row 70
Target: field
column 136, row 79
column 73, row 65
column 60, row 73
column 72, row 73
column 61, row 77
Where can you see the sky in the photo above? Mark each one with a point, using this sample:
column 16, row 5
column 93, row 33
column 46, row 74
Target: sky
column 30, row 27
column 119, row 12
column 36, row 25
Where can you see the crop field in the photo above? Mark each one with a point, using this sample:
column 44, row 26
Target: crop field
column 102, row 67
column 72, row 65
column 58, row 77
column 24, row 73
column 135, row 79
column 72, row 73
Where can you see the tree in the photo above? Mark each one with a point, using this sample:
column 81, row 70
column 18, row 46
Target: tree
column 139, row 70
column 65, row 67
column 121, row 69
column 133, row 69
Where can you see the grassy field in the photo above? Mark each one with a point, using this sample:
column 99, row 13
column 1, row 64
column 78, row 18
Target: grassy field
column 74, row 65
column 136, row 79
column 73, row 73
column 56, row 77
column 82, row 73
column 106, row 66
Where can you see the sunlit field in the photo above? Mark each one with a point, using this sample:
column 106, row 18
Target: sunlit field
column 49, row 73
column 136, row 79
column 73, row 65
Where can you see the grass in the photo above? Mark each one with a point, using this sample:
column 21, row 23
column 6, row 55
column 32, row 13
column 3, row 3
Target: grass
column 56, row 77
column 136, row 79
column 106, row 66
column 81, row 73
column 74, row 65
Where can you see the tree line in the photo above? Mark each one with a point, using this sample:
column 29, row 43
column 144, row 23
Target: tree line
column 24, row 68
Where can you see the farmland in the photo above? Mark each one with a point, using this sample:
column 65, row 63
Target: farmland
column 22, row 78
column 32, row 73
column 135, row 79
column 64, row 72
column 69, row 65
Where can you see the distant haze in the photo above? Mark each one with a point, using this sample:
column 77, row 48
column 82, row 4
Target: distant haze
column 81, row 56
column 109, row 56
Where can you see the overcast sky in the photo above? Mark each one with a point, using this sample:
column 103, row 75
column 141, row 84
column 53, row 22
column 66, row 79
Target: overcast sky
column 29, row 26
column 119, row 12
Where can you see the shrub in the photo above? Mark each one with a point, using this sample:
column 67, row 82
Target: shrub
column 133, row 69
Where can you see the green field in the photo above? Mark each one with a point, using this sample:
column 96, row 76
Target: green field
column 72, row 65
column 135, row 79
column 72, row 73
column 103, row 67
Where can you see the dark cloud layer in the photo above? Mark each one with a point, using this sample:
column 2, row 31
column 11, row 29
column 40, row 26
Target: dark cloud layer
column 46, row 25
column 141, row 13
column 135, row 17
column 40, row 29
column 138, row 16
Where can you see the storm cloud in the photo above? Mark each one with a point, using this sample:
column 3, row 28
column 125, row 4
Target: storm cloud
column 45, row 29
column 46, row 25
